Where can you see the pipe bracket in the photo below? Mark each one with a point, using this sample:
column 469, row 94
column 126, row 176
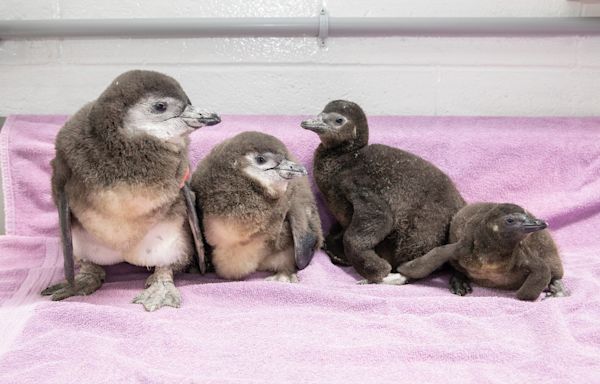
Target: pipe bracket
column 323, row 27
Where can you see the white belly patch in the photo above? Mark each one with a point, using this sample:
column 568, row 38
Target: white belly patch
column 87, row 247
column 164, row 244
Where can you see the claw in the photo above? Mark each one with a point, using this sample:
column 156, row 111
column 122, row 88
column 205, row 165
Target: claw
column 53, row 288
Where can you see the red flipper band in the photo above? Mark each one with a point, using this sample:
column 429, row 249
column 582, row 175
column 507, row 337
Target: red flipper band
column 186, row 176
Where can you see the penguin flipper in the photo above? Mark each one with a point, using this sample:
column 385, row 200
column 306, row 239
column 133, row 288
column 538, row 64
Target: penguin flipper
column 64, row 217
column 305, row 239
column 194, row 225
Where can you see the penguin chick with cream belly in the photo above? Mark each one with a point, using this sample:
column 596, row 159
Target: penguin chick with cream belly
column 258, row 211
column 391, row 206
column 497, row 246
column 120, row 166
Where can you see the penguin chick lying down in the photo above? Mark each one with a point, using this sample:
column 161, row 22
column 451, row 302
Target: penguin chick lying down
column 257, row 208
column 117, row 179
column 497, row 246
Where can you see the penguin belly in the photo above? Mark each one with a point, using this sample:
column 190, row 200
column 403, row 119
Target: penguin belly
column 166, row 243
column 490, row 275
column 121, row 225
column 237, row 249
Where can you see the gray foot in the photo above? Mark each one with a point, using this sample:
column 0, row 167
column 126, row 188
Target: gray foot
column 283, row 277
column 87, row 281
column 556, row 288
column 158, row 295
column 390, row 279
column 160, row 291
column 460, row 285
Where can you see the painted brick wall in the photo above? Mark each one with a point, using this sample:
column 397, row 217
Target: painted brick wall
column 404, row 76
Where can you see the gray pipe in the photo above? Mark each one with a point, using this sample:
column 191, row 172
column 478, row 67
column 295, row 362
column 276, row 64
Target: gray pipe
column 182, row 27
column 296, row 26
column 463, row 26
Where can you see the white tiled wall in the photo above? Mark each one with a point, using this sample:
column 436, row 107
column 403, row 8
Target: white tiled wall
column 405, row 76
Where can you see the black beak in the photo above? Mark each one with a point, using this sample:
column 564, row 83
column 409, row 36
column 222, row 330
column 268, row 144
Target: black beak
column 210, row 119
column 289, row 170
column 534, row 225
column 315, row 125
column 196, row 118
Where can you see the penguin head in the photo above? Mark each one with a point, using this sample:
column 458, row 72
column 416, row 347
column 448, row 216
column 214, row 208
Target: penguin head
column 342, row 123
column 271, row 170
column 262, row 160
column 147, row 104
column 510, row 223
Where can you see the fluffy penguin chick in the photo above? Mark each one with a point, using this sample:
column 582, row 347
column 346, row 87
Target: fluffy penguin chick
column 498, row 246
column 258, row 211
column 120, row 164
column 391, row 206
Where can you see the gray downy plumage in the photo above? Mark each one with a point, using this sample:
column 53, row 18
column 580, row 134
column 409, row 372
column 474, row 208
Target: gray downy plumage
column 391, row 206
column 117, row 176
column 257, row 208
column 499, row 246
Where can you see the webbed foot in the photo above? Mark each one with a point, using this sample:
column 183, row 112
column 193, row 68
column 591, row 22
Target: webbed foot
column 87, row 281
column 391, row 279
column 556, row 288
column 160, row 291
column 460, row 285
column 283, row 277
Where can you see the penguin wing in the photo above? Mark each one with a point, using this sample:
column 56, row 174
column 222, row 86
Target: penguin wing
column 306, row 238
column 190, row 200
column 60, row 173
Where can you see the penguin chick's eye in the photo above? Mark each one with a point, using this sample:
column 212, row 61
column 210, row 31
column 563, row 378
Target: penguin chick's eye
column 159, row 107
column 260, row 159
column 510, row 220
column 339, row 121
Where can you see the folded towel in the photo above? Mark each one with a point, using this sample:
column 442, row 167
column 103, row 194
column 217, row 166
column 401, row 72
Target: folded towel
column 325, row 328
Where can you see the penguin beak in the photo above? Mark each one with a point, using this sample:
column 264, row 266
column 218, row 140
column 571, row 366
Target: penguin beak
column 197, row 118
column 533, row 225
column 290, row 170
column 315, row 125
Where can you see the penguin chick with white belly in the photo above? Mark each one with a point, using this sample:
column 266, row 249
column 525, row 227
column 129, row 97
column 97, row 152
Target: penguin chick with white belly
column 258, row 211
column 117, row 179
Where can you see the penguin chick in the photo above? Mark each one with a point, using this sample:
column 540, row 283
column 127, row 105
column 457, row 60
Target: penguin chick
column 391, row 206
column 120, row 166
column 498, row 246
column 259, row 213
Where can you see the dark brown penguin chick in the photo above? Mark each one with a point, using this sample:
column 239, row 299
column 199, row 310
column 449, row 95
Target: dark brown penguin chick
column 117, row 178
column 259, row 213
column 391, row 206
column 498, row 246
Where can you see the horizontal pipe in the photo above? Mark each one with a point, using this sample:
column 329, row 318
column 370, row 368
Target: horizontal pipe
column 464, row 26
column 296, row 26
column 175, row 27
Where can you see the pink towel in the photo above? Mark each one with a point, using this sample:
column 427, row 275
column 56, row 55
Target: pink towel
column 326, row 328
